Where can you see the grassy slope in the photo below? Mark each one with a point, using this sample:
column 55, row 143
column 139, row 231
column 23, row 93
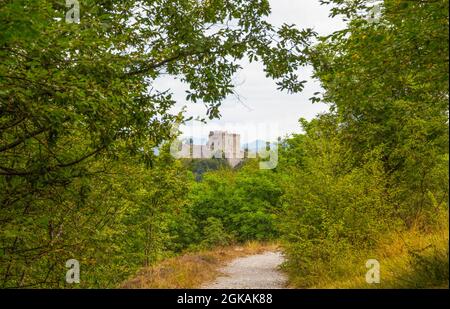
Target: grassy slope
column 411, row 259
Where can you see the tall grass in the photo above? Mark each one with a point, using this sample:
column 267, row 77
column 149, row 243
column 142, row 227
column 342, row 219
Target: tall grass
column 414, row 258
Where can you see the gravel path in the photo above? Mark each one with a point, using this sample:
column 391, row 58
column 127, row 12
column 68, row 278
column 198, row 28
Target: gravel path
column 252, row 272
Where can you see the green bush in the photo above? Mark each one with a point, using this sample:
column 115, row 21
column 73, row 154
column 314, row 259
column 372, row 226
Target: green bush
column 214, row 234
column 246, row 202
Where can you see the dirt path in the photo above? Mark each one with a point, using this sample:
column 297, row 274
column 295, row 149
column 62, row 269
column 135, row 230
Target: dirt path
column 258, row 271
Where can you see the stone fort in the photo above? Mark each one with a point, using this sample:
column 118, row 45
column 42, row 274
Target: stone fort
column 220, row 144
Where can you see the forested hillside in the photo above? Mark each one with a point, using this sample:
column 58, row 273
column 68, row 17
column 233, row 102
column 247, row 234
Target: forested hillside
column 80, row 116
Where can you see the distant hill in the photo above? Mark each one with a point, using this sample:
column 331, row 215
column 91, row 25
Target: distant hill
column 255, row 145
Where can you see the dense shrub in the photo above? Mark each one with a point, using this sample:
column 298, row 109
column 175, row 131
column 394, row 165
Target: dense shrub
column 377, row 162
column 246, row 202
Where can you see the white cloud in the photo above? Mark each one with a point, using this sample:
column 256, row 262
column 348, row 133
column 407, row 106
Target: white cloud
column 260, row 103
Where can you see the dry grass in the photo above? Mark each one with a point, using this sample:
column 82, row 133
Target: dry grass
column 411, row 259
column 192, row 269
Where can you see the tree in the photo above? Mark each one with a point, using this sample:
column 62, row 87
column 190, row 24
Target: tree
column 387, row 82
column 76, row 96
column 377, row 162
column 246, row 201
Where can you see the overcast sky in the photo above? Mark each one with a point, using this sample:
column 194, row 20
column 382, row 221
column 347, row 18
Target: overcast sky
column 263, row 112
